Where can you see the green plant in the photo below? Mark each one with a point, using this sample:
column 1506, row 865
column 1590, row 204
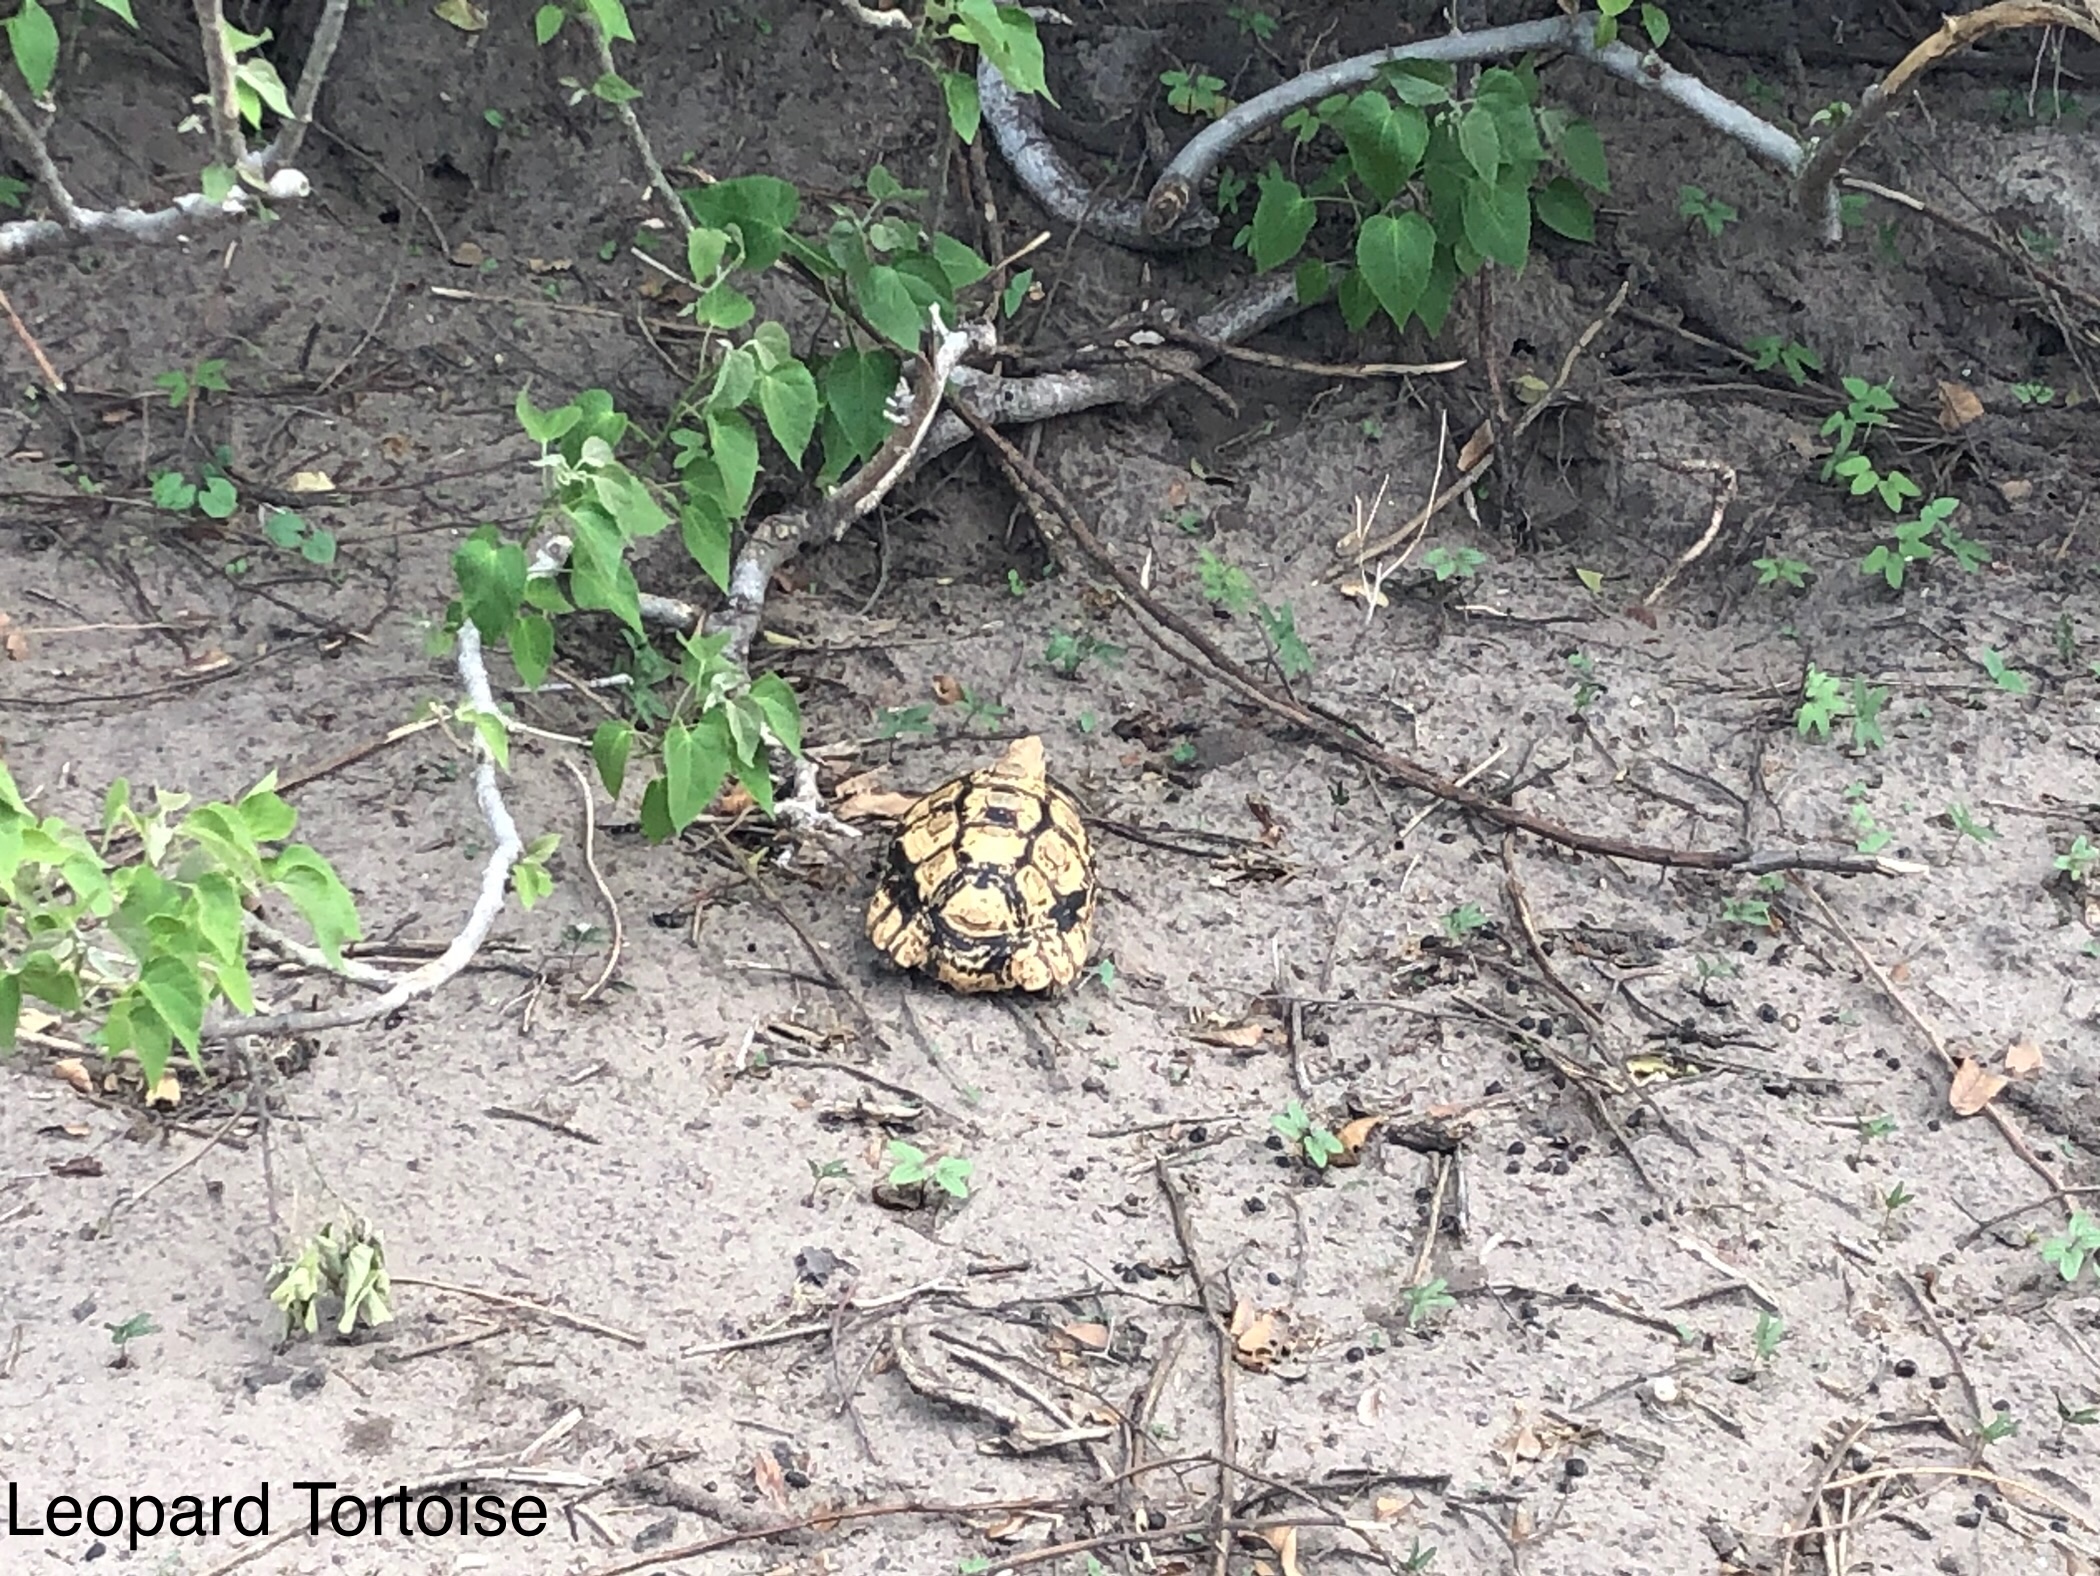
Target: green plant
column 1462, row 921
column 146, row 943
column 898, row 721
column 1255, row 22
column 822, row 1171
column 1315, row 1142
column 314, row 543
column 214, row 497
column 1866, row 410
column 1968, row 826
column 1655, row 22
column 1430, row 187
column 1228, row 586
column 1454, row 563
column 1195, row 93
column 1796, row 360
column 183, row 387
column 1069, row 650
column 2033, row 393
column 1892, row 1204
column 1789, row 572
column 2078, row 860
column 911, row 1165
column 2002, row 1425
column 1429, row 1301
column 2007, row 678
column 137, row 1327
column 1417, row 1559
column 1103, row 974
column 1771, row 1330
column 1867, row 837
column 1694, row 202
column 1872, row 1127
column 2068, row 1251
column 1746, row 911
column 346, row 1260
column 1587, row 689
column 1825, row 700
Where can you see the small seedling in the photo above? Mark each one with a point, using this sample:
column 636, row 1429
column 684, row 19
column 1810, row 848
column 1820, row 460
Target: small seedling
column 1969, row 826
column 122, row 1335
column 2078, row 860
column 1195, row 93
column 822, row 1171
column 1821, row 698
column 1747, row 911
column 183, row 387
column 2033, row 393
column 1462, row 921
column 1315, row 1142
column 1428, row 1301
column 2006, row 677
column 1418, row 1559
column 1015, row 584
column 1694, row 203
column 1103, row 974
column 346, row 1260
column 2003, row 1425
column 1454, row 563
column 898, row 721
column 975, row 708
column 216, row 499
column 1224, row 583
column 1867, row 837
column 1892, row 1204
column 1872, row 1127
column 910, row 1165
column 1789, row 572
column 1796, row 360
column 1257, row 23
column 1715, row 968
column 289, row 531
column 1587, row 688
column 1867, row 701
column 2068, row 1251
column 2077, row 1416
column 1771, row 1330
column 1016, row 292
column 1069, row 650
column 1183, row 753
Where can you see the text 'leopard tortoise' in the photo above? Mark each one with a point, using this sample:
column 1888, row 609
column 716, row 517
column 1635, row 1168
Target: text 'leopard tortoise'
column 989, row 885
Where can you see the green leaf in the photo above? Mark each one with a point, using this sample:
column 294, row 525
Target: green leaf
column 757, row 779
column 656, row 814
column 1283, row 218
column 612, row 88
column 886, row 302
column 532, row 647
column 776, row 702
column 122, row 8
column 696, row 760
column 1394, row 253
column 173, row 491
column 322, row 900
column 1358, row 305
column 705, row 247
column 959, row 262
column 33, row 37
column 284, row 528
column 10, row 1010
column 1480, row 142
column 736, row 456
column 724, row 307
column 959, row 89
column 1385, row 145
column 1582, row 150
column 221, row 920
column 44, row 977
column 319, row 547
column 736, row 380
column 611, row 17
column 1312, row 281
column 705, row 529
column 1426, row 83
column 491, row 576
column 267, row 817
column 1006, row 34
column 546, row 22
column 788, row 396
column 1435, row 304
column 761, row 207
column 175, row 990
column 1498, row 221
column 495, row 735
column 545, row 426
column 610, row 747
column 856, row 385
column 599, row 576
column 217, row 498
column 1563, row 209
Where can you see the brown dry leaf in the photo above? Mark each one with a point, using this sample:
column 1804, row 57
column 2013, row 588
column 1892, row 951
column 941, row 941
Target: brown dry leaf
column 1958, row 406
column 735, row 800
column 2023, row 1059
column 1011, row 1530
column 1237, row 1036
column 16, row 644
column 771, row 1481
column 873, row 806
column 1389, row 1507
column 1519, row 1447
column 1284, row 1540
column 1259, row 1336
column 167, row 1092
column 1093, row 1337
column 1362, row 591
column 1975, row 1086
column 468, row 254
column 311, row 482
column 2015, row 489
column 1477, row 446
column 210, row 662
column 77, row 1166
column 74, row 1071
column 947, row 688
column 1353, row 1136
column 543, row 265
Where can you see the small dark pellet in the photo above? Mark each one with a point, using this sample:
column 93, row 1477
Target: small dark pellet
column 1906, row 1369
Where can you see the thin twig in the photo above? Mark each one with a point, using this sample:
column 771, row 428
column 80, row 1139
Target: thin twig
column 590, row 862
column 574, row 1321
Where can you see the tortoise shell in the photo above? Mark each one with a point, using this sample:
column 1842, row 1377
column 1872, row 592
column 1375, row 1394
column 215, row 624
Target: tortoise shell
column 989, row 885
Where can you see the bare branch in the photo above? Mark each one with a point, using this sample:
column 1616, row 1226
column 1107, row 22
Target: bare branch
column 495, row 877
column 633, row 125
column 319, row 56
column 222, row 103
column 36, row 153
column 21, row 238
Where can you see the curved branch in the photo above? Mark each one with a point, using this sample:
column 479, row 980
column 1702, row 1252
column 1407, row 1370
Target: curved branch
column 495, row 877
column 1173, row 191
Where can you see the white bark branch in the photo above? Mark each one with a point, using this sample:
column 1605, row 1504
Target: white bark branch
column 495, row 878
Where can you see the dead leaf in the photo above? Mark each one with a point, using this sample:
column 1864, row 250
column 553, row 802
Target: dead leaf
column 1363, row 591
column 873, row 806
column 1389, row 1507
column 167, row 1092
column 1092, row 1337
column 1975, row 1086
column 1259, row 1336
column 311, row 482
column 1284, row 1540
column 735, row 800
column 1238, row 1036
column 1477, row 446
column 543, row 265
column 771, row 1481
column 1011, row 1529
column 1353, row 1136
column 2015, row 489
column 77, row 1166
column 1958, row 406
column 468, row 254
column 1370, row 1406
column 2023, row 1059
column 17, row 645
column 462, row 14
column 208, row 662
column 947, row 688
column 74, row 1071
